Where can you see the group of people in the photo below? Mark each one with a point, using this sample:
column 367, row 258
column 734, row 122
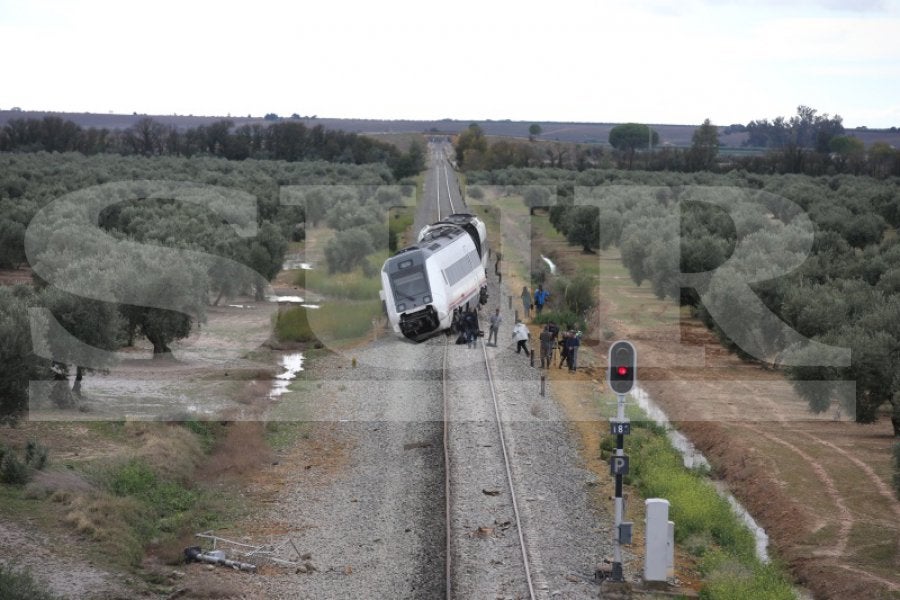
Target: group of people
column 535, row 301
column 568, row 346
column 465, row 321
column 549, row 337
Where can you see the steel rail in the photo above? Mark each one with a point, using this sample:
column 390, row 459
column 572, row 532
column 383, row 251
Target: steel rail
column 523, row 547
column 509, row 478
column 448, row 572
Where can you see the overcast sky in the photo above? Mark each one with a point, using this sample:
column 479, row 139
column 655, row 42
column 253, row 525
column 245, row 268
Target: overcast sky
column 650, row 61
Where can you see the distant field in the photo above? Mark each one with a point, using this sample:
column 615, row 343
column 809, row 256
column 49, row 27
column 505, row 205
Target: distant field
column 582, row 133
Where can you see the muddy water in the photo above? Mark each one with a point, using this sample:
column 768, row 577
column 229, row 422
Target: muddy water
column 694, row 458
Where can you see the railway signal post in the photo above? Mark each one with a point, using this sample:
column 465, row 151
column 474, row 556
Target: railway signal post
column 621, row 372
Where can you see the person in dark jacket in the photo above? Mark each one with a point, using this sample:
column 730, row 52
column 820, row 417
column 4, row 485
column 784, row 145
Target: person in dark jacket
column 470, row 327
column 540, row 298
column 573, row 341
column 563, row 349
column 548, row 340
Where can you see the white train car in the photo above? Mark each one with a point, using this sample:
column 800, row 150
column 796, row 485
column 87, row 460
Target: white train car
column 422, row 285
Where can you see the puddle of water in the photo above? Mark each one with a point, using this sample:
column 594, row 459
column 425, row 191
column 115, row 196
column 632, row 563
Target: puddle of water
column 286, row 299
column 294, row 263
column 549, row 264
column 292, row 364
column 694, row 458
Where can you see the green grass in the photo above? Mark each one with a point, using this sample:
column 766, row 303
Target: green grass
column 291, row 325
column 695, row 505
column 705, row 525
column 347, row 286
column 337, row 321
column 727, row 578
column 135, row 507
column 399, row 223
column 345, row 321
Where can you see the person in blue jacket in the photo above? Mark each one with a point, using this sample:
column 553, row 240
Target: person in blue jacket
column 540, row 298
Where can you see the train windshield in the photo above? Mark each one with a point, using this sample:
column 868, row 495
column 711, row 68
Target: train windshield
column 409, row 285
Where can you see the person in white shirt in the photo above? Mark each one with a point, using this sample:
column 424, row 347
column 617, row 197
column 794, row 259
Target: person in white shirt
column 520, row 333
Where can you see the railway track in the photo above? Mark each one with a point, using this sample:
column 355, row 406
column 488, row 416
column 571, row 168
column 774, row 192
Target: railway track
column 488, row 549
column 513, row 488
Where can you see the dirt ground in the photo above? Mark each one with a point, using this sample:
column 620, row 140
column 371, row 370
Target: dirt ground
column 818, row 484
column 221, row 372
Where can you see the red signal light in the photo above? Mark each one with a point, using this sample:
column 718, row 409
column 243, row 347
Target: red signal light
column 622, row 367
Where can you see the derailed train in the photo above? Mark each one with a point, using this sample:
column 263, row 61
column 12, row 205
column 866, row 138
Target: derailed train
column 423, row 285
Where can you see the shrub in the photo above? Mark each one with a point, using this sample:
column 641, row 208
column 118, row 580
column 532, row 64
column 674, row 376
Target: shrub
column 564, row 318
column 206, row 431
column 35, row 455
column 18, row 584
column 347, row 249
column 607, row 447
column 12, row 470
column 169, row 503
column 577, row 294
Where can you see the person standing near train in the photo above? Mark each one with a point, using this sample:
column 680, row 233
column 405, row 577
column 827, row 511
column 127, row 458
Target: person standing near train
column 540, row 298
column 470, row 326
column 494, row 327
column 548, row 339
column 526, row 302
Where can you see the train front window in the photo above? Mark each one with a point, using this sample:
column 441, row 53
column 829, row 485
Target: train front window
column 409, row 286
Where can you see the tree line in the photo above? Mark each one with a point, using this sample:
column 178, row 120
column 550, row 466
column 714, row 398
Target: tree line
column 129, row 247
column 807, row 143
column 284, row 140
column 834, row 279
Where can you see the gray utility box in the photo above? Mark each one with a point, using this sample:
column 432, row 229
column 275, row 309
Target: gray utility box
column 659, row 559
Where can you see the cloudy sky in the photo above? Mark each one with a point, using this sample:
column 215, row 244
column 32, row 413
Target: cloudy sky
column 646, row 60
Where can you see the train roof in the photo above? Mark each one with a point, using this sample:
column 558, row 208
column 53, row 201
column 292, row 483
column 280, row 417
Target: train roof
column 440, row 236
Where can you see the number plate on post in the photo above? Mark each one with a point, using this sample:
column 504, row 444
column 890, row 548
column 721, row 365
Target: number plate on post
column 620, row 427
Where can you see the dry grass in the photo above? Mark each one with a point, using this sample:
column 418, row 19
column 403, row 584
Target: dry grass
column 242, row 451
column 171, row 451
column 107, row 520
column 57, row 485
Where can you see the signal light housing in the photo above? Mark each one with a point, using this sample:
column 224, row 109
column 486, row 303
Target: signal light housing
column 622, row 367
